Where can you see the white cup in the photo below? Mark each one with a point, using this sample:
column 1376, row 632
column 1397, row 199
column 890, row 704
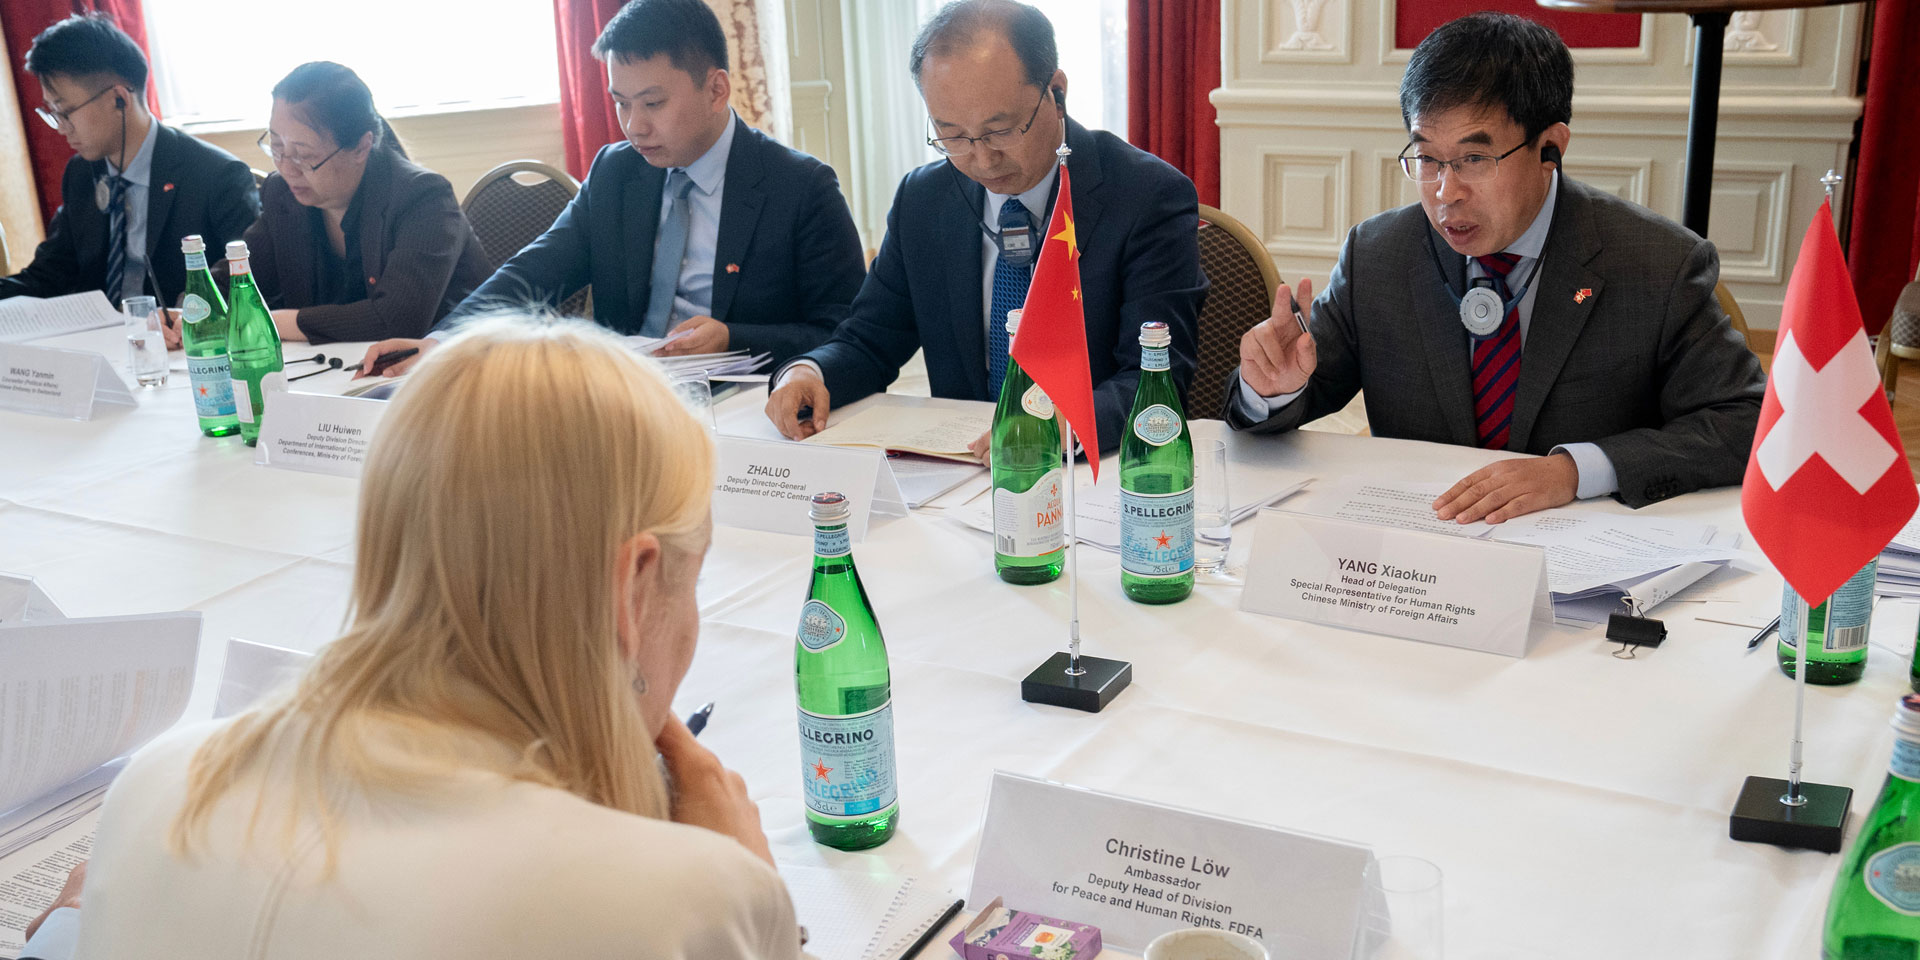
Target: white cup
column 1202, row 943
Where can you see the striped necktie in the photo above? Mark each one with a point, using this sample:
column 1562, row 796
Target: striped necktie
column 116, row 237
column 1496, row 362
column 1010, row 281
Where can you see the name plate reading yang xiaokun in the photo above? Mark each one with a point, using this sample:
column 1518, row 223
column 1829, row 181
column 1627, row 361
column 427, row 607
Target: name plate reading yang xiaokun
column 1455, row 591
column 51, row 382
column 1137, row 870
column 766, row 484
column 314, row 432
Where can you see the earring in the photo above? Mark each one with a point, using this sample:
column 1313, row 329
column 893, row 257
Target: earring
column 639, row 683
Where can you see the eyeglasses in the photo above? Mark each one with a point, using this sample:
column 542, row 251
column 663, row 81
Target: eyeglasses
column 280, row 156
column 55, row 118
column 1472, row 168
column 994, row 139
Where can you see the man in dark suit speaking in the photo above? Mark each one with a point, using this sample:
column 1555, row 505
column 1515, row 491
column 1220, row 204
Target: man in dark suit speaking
column 697, row 226
column 989, row 72
column 1523, row 311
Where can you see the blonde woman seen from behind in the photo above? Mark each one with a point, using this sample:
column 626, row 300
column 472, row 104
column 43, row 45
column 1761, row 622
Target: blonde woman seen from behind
column 470, row 770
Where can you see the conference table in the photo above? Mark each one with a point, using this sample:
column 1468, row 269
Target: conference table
column 1577, row 803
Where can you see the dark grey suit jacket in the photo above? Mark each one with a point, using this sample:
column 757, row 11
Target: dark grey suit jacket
column 1645, row 364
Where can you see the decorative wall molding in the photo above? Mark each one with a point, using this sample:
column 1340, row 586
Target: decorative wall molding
column 1306, row 31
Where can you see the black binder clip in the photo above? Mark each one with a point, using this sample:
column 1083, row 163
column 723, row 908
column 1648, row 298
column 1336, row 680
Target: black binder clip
column 1634, row 629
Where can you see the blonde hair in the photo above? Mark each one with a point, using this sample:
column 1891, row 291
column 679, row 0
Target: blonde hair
column 496, row 497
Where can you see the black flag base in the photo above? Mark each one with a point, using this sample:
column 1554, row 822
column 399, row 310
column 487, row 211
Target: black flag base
column 1760, row 817
column 1091, row 691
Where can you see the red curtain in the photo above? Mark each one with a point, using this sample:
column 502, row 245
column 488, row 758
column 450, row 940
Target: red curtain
column 24, row 20
column 586, row 114
column 1883, row 246
column 1173, row 63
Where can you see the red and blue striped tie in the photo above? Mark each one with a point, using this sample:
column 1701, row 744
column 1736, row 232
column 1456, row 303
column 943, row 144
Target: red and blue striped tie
column 1496, row 362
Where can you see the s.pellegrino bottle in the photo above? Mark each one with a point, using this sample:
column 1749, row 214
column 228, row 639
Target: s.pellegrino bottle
column 252, row 342
column 845, row 690
column 1029, row 545
column 1874, row 912
column 1839, row 627
column 1156, row 482
column 203, row 336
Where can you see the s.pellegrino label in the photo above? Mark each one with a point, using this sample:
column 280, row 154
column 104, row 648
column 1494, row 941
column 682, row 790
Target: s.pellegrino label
column 844, row 693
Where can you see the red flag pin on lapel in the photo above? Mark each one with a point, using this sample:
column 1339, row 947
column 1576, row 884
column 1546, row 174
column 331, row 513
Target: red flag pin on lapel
column 166, row 188
column 1582, row 295
column 733, row 268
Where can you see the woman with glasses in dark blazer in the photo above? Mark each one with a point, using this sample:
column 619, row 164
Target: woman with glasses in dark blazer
column 354, row 241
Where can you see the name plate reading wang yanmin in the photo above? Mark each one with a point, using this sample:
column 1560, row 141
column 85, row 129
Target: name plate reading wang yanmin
column 1431, row 587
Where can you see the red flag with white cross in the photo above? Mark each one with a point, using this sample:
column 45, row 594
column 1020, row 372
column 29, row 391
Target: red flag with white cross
column 1827, row 485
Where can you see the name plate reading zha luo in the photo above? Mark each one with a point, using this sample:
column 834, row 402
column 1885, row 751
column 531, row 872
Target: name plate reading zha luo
column 1455, row 591
column 315, row 433
column 50, row 382
column 766, row 484
column 1137, row 870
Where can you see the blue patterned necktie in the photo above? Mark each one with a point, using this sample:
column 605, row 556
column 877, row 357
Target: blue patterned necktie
column 116, row 236
column 669, row 252
column 1010, row 281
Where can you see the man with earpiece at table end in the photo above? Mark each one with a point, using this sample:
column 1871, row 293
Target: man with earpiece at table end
column 1514, row 308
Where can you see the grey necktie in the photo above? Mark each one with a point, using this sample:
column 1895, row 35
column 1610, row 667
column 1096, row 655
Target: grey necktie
column 669, row 250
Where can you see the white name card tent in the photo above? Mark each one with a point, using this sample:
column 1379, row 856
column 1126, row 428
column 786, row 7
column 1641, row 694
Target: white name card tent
column 51, row 382
column 314, row 432
column 1460, row 592
column 22, row 601
column 1137, row 870
column 766, row 484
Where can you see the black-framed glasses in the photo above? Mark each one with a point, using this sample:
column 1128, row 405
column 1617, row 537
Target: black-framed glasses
column 994, row 139
column 281, row 156
column 1472, row 168
column 55, row 118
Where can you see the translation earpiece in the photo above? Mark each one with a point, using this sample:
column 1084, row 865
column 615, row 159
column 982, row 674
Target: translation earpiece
column 1550, row 154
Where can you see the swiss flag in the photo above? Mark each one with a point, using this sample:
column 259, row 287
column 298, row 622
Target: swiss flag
column 1827, row 485
column 1051, row 345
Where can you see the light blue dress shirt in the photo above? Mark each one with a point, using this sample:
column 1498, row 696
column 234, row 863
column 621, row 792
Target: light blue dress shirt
column 694, row 296
column 56, row 937
column 1597, row 476
column 139, row 174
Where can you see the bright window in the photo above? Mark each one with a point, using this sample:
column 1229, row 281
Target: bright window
column 217, row 62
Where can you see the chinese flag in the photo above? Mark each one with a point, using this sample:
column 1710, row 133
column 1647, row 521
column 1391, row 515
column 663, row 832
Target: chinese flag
column 1827, row 485
column 1052, row 343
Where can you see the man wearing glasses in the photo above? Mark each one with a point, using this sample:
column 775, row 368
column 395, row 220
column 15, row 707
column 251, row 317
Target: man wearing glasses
column 958, row 253
column 1525, row 311
column 134, row 187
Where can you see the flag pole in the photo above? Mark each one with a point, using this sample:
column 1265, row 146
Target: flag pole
column 1793, row 797
column 1073, row 558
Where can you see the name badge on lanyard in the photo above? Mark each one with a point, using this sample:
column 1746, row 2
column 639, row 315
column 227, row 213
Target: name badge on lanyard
column 1016, row 243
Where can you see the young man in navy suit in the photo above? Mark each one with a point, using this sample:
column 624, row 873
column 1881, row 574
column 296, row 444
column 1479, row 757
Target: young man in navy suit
column 989, row 73
column 697, row 225
column 134, row 187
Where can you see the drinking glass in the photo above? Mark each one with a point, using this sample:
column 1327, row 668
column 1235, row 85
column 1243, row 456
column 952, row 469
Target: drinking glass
column 146, row 344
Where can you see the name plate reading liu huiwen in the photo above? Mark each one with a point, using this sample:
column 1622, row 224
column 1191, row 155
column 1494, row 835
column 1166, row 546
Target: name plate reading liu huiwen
column 766, row 484
column 1137, row 870
column 51, row 382
column 1455, row 591
column 313, row 432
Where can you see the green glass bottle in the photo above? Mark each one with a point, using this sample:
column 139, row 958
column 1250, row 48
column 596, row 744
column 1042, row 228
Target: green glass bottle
column 1156, row 482
column 845, row 691
column 203, row 336
column 252, row 342
column 1029, row 543
column 1838, row 626
column 1874, row 912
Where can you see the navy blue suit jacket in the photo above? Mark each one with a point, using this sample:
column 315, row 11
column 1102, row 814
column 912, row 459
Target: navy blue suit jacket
column 1136, row 220
column 787, row 260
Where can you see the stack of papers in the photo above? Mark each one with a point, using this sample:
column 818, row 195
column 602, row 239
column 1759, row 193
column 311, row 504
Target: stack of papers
column 731, row 363
column 32, row 318
column 929, row 431
column 1097, row 508
column 863, row 913
column 1899, row 574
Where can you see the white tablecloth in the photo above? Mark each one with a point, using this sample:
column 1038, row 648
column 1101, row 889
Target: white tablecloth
column 1576, row 802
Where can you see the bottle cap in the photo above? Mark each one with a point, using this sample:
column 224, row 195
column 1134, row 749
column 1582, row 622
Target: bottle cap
column 830, row 508
column 1154, row 333
column 1013, row 320
column 191, row 243
column 236, row 250
column 1906, row 717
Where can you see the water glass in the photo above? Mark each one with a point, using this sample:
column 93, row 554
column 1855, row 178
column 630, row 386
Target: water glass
column 146, row 344
column 1212, row 509
column 1400, row 919
column 696, row 393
